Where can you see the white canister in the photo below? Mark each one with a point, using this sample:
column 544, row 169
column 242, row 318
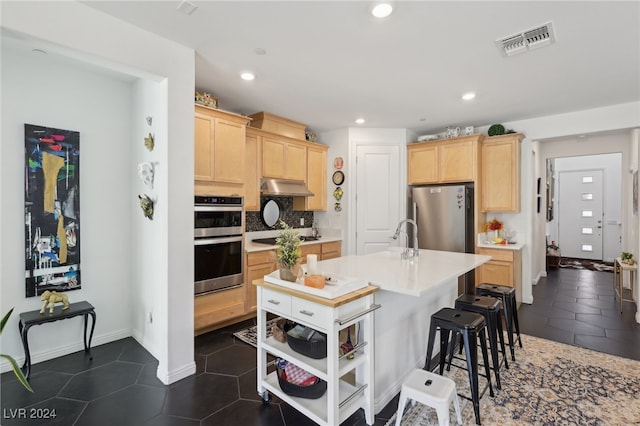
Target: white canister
column 312, row 264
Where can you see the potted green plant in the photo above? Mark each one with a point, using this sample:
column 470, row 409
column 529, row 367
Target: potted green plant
column 16, row 369
column 288, row 251
column 627, row 258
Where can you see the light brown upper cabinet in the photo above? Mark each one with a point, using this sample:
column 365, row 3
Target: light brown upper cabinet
column 316, row 180
column 500, row 181
column 253, row 170
column 219, row 163
column 445, row 161
column 283, row 159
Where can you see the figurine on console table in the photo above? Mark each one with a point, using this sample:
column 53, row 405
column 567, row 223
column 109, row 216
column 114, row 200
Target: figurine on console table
column 50, row 298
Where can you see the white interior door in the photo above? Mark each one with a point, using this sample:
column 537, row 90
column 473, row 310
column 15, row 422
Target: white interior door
column 378, row 197
column 580, row 214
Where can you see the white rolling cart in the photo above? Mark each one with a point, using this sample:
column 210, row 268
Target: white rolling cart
column 329, row 316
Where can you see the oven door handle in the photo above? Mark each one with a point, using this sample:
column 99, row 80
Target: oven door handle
column 216, row 209
column 209, row 241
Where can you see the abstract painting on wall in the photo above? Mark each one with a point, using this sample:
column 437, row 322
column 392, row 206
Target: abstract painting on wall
column 51, row 209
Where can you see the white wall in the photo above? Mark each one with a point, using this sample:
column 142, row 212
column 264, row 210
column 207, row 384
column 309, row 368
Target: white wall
column 610, row 164
column 39, row 90
column 158, row 268
column 337, row 141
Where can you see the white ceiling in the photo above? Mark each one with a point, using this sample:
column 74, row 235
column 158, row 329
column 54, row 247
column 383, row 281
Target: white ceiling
column 329, row 62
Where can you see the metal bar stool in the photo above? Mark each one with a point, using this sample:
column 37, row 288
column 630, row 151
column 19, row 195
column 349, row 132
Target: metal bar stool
column 489, row 307
column 471, row 326
column 508, row 297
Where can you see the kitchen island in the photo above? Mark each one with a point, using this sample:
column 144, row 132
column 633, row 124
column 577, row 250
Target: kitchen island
column 409, row 292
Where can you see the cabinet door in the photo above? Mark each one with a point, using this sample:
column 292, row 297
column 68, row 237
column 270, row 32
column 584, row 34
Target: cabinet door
column 252, row 174
column 273, row 158
column 496, row 272
column 296, row 162
column 316, row 181
column 203, row 149
column 229, row 151
column 423, row 163
column 457, row 162
column 500, row 181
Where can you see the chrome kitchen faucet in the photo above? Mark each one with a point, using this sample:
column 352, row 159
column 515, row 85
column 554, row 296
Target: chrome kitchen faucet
column 406, row 253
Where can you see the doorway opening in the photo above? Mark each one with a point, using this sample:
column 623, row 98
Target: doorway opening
column 584, row 206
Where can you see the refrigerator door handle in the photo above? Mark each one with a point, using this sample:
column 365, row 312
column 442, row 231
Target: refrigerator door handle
column 415, row 212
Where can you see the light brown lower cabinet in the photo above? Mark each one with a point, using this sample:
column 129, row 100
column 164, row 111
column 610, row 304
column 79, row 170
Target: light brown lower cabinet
column 214, row 308
column 504, row 268
column 331, row 250
column 259, row 264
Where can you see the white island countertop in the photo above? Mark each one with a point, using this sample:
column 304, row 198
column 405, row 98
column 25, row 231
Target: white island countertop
column 412, row 277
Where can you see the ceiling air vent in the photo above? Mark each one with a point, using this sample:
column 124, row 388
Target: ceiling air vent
column 526, row 40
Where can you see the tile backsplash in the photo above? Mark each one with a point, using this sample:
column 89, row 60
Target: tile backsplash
column 253, row 220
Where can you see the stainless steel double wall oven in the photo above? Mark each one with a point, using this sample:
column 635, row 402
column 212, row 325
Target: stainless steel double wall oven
column 218, row 243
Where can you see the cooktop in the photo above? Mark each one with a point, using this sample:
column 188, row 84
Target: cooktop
column 272, row 241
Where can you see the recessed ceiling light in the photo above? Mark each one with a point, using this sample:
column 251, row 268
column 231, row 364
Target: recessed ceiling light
column 247, row 76
column 359, row 120
column 381, row 9
column 468, row 96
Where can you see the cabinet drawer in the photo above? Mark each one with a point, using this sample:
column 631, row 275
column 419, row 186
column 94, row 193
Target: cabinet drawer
column 318, row 316
column 276, row 302
column 308, row 249
column 331, row 246
column 497, row 254
column 259, row 257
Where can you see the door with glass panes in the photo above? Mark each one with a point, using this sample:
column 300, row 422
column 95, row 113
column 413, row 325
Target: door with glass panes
column 580, row 213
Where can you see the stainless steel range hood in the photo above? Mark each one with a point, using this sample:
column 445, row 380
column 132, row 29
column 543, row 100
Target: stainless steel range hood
column 282, row 187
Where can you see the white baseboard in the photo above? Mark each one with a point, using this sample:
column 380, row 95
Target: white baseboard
column 178, row 374
column 52, row 353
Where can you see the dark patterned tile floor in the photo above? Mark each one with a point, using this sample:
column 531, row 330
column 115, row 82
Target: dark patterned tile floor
column 119, row 386
column 577, row 307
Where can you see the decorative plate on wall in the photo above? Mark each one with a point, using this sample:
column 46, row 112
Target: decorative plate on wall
column 338, row 177
column 338, row 163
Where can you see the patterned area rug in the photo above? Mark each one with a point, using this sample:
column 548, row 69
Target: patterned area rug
column 250, row 335
column 549, row 384
column 592, row 265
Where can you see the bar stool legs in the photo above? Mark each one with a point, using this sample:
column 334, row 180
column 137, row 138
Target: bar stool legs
column 489, row 307
column 508, row 297
column 471, row 326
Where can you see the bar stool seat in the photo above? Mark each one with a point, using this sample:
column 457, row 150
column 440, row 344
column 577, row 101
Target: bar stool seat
column 471, row 326
column 432, row 390
column 508, row 297
column 489, row 307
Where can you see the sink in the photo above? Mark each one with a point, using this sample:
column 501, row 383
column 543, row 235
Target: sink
column 308, row 238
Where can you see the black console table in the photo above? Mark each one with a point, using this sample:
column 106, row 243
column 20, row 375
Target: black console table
column 28, row 319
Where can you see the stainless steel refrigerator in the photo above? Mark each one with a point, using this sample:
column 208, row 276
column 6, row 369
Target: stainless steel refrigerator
column 444, row 214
